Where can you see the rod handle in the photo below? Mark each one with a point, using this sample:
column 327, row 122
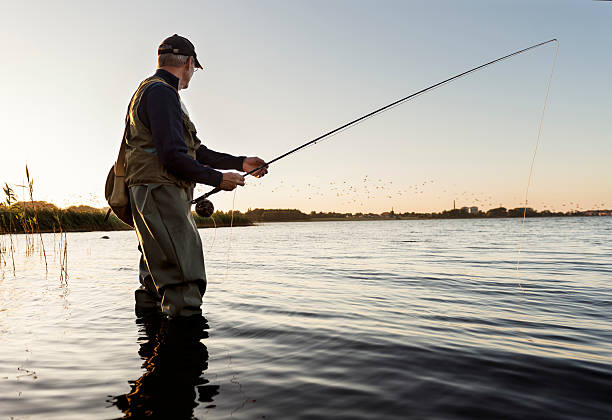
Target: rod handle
column 216, row 190
column 205, row 196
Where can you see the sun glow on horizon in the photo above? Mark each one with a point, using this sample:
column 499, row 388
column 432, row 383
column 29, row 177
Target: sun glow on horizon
column 276, row 77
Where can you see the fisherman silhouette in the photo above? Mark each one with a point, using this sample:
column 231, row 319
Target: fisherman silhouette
column 174, row 358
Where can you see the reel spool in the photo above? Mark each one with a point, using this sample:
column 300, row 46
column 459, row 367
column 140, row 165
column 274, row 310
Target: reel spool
column 204, row 208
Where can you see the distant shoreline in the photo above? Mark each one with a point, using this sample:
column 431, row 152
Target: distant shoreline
column 42, row 217
column 294, row 215
column 414, row 218
column 125, row 227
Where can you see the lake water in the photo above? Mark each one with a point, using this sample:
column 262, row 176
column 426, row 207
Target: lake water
column 323, row 320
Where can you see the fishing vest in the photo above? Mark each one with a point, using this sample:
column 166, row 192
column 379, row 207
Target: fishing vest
column 142, row 164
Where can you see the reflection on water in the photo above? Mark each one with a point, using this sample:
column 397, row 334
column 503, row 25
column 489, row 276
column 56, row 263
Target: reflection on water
column 344, row 320
column 174, row 361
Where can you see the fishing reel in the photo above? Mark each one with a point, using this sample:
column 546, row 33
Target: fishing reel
column 204, row 207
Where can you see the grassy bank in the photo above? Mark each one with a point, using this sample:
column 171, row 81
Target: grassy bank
column 17, row 219
column 45, row 217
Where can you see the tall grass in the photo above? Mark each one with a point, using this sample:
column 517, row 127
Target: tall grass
column 25, row 217
column 34, row 220
column 3, row 252
column 9, row 226
column 63, row 252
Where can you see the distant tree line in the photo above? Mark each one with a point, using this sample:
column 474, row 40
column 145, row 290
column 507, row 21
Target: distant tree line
column 287, row 215
column 497, row 212
column 40, row 216
column 276, row 215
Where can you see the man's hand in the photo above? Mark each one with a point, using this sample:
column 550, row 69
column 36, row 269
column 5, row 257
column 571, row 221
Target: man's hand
column 231, row 180
column 251, row 163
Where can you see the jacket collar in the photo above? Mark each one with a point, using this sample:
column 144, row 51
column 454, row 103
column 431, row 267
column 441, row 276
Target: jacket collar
column 168, row 77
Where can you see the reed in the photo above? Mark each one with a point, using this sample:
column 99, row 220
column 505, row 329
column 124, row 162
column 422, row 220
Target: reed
column 34, row 220
column 61, row 249
column 24, row 221
column 2, row 249
column 24, row 217
column 10, row 198
column 63, row 257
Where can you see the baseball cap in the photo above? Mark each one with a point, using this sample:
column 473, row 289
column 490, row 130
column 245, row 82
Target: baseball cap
column 177, row 44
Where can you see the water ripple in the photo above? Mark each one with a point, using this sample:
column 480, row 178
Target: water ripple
column 343, row 320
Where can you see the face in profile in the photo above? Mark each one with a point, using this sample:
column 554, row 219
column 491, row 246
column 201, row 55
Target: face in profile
column 188, row 71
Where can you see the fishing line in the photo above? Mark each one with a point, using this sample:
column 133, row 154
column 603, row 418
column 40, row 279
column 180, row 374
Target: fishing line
column 535, row 151
column 205, row 208
column 229, row 241
column 214, row 235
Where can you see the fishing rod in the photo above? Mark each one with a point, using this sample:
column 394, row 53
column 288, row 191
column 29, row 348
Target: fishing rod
column 205, row 208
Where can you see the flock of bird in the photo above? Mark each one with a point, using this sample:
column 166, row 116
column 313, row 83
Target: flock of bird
column 362, row 194
column 366, row 190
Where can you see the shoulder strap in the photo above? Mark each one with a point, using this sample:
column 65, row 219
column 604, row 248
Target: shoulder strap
column 120, row 163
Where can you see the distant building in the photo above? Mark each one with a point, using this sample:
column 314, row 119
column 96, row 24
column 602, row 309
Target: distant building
column 473, row 210
column 465, row 210
column 598, row 213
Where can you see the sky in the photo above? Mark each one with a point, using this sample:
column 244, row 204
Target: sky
column 279, row 73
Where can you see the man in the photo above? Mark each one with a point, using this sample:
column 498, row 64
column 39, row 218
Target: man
column 164, row 161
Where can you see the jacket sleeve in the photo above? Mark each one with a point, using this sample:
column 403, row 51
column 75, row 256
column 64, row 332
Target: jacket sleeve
column 166, row 123
column 219, row 160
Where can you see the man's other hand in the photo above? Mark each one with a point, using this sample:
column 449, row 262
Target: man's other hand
column 251, row 163
column 231, row 180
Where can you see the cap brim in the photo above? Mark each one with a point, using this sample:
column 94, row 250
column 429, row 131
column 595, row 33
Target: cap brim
column 197, row 63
